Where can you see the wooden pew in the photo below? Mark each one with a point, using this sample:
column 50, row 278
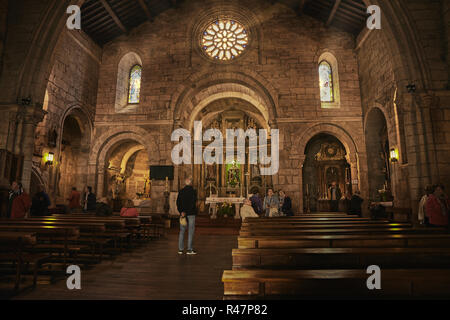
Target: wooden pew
column 90, row 232
column 405, row 213
column 346, row 241
column 141, row 225
column 51, row 239
column 340, row 258
column 13, row 245
column 246, row 223
column 396, row 283
column 361, row 231
column 301, row 227
column 301, row 219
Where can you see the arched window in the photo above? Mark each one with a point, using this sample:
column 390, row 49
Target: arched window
column 128, row 83
column 330, row 96
column 134, row 84
column 326, row 82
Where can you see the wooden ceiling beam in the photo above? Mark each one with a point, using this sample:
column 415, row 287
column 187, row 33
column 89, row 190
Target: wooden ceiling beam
column 114, row 16
column 357, row 4
column 333, row 12
column 145, row 8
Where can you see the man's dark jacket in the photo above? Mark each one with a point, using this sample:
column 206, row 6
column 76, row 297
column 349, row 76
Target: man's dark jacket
column 186, row 200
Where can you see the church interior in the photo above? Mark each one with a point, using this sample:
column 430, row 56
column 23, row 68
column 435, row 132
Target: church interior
column 353, row 96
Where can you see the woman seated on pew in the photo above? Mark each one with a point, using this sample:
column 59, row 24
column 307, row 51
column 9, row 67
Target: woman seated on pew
column 129, row 210
column 247, row 210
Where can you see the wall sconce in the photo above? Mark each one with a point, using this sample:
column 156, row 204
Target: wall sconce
column 49, row 157
column 393, row 155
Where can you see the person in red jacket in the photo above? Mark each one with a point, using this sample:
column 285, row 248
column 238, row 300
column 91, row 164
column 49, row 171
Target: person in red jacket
column 129, row 210
column 21, row 203
column 74, row 200
column 437, row 207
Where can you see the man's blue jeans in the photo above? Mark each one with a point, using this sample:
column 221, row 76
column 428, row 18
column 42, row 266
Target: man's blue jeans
column 191, row 227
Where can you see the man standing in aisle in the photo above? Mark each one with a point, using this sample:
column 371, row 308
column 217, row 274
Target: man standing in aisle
column 186, row 205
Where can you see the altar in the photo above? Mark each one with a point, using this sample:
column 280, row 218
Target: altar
column 228, row 181
column 237, row 201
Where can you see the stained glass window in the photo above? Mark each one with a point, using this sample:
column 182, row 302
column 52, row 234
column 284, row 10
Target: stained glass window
column 134, row 84
column 326, row 82
column 224, row 39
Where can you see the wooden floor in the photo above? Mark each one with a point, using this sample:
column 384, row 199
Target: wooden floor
column 153, row 271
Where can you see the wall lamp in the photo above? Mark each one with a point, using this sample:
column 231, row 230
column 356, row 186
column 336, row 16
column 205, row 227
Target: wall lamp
column 393, row 155
column 49, row 158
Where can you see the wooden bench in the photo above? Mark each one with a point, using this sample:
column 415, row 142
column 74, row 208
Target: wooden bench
column 399, row 283
column 301, row 227
column 246, row 223
column 405, row 213
column 13, row 246
column 51, row 239
column 346, row 241
column 89, row 231
column 340, row 258
column 360, row 231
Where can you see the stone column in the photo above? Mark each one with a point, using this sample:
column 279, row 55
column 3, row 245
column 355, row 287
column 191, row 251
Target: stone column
column 301, row 160
column 32, row 116
column 100, row 181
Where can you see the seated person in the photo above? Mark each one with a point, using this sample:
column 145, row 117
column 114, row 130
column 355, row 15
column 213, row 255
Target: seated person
column 103, row 209
column 129, row 210
column 285, row 204
column 355, row 204
column 247, row 210
column 257, row 202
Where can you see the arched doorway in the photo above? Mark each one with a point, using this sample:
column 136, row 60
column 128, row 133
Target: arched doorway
column 325, row 163
column 377, row 143
column 73, row 155
column 126, row 173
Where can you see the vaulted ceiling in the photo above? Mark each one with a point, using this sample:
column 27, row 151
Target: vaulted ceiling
column 104, row 20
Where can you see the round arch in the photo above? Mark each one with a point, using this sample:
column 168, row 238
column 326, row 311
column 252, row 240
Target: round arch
column 341, row 134
column 109, row 140
column 231, row 79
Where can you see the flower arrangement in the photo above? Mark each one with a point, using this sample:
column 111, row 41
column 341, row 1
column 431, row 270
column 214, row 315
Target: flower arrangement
column 226, row 210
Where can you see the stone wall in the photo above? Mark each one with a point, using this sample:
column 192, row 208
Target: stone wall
column 71, row 91
column 282, row 59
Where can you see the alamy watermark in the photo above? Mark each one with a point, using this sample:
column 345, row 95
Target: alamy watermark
column 374, row 281
column 213, row 153
column 74, row 280
column 74, row 20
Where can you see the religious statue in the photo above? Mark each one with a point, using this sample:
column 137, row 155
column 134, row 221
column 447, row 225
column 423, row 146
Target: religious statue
column 251, row 124
column 118, row 182
column 233, row 175
column 215, row 124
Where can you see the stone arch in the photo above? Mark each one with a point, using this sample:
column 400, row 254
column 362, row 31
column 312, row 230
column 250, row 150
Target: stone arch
column 332, row 129
column 109, row 140
column 390, row 122
column 72, row 150
column 229, row 83
column 78, row 112
column 355, row 157
column 128, row 155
